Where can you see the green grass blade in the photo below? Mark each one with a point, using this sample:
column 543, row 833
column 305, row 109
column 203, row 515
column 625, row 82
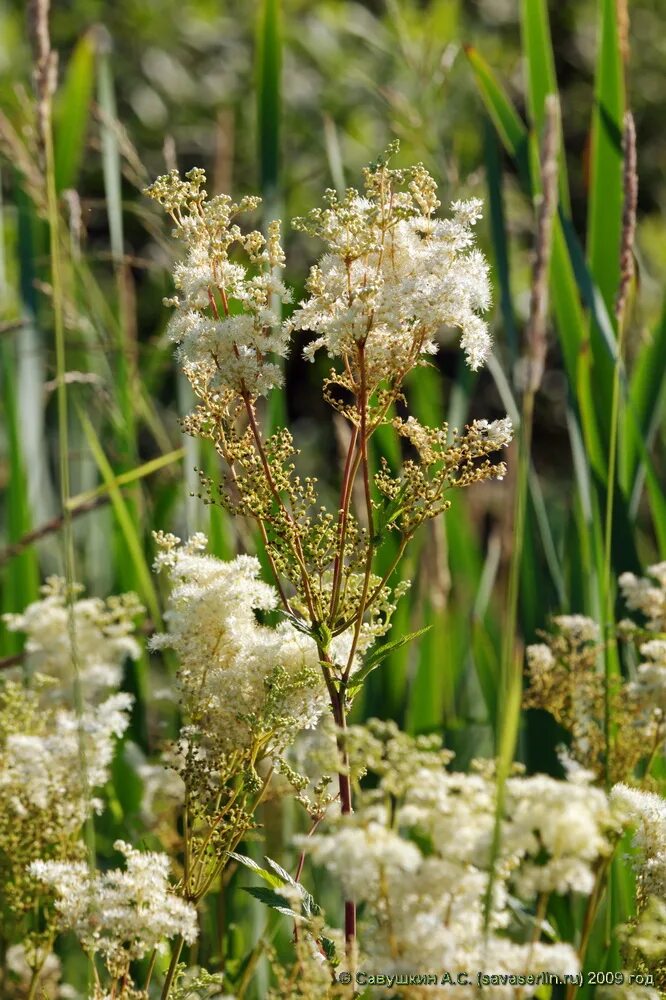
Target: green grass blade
column 125, row 478
column 510, row 126
column 571, row 323
column 133, row 542
column 604, row 221
column 24, row 584
column 269, row 65
column 541, row 80
column 72, row 112
column 499, row 237
column 536, row 494
column 647, row 391
column 269, row 114
column 110, row 149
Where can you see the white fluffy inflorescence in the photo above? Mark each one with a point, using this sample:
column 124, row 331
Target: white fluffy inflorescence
column 577, row 628
column 395, row 275
column 237, row 677
column 649, row 685
column 103, row 638
column 120, row 915
column 421, row 866
column 52, row 769
column 647, row 594
column 646, row 812
column 224, row 324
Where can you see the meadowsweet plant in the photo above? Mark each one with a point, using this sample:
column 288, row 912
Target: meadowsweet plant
column 122, row 915
column 393, row 276
column 645, row 937
column 51, row 761
column 565, row 681
column 416, row 854
column 55, row 757
column 246, row 689
column 103, row 632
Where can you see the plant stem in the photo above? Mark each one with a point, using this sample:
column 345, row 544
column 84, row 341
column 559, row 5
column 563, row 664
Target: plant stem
column 630, row 186
column 337, row 698
column 173, row 965
column 588, row 920
column 34, row 983
column 345, row 496
column 151, row 968
column 363, row 444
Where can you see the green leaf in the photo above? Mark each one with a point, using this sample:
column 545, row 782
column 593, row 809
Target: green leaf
column 541, row 80
column 510, row 126
column 132, row 540
column 283, row 874
column 374, row 658
column 330, row 951
column 271, row 898
column 272, row 879
column 71, row 113
column 604, row 220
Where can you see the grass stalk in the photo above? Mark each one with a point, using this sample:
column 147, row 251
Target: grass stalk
column 44, row 60
column 630, row 184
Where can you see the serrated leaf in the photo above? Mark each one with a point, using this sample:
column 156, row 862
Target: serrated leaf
column 283, row 874
column 310, row 908
column 330, row 951
column 374, row 658
column 269, row 877
column 272, row 899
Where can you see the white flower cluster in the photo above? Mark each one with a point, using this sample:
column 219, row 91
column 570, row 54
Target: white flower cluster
column 234, row 673
column 558, row 829
column 646, row 812
column 577, row 628
column 53, row 770
column 647, row 594
column 498, row 433
column 120, row 915
column 103, row 638
column 422, row 870
column 649, row 685
column 224, row 321
column 395, row 275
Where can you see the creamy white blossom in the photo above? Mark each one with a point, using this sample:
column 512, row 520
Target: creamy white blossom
column 53, row 770
column 421, row 868
column 121, row 915
column 649, row 685
column 231, row 666
column 499, row 433
column 540, row 658
column 103, row 637
column 225, row 323
column 559, row 829
column 647, row 594
column 394, row 275
column 646, row 812
column 577, row 628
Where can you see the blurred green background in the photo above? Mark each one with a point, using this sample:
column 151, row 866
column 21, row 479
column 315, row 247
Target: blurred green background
column 287, row 99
